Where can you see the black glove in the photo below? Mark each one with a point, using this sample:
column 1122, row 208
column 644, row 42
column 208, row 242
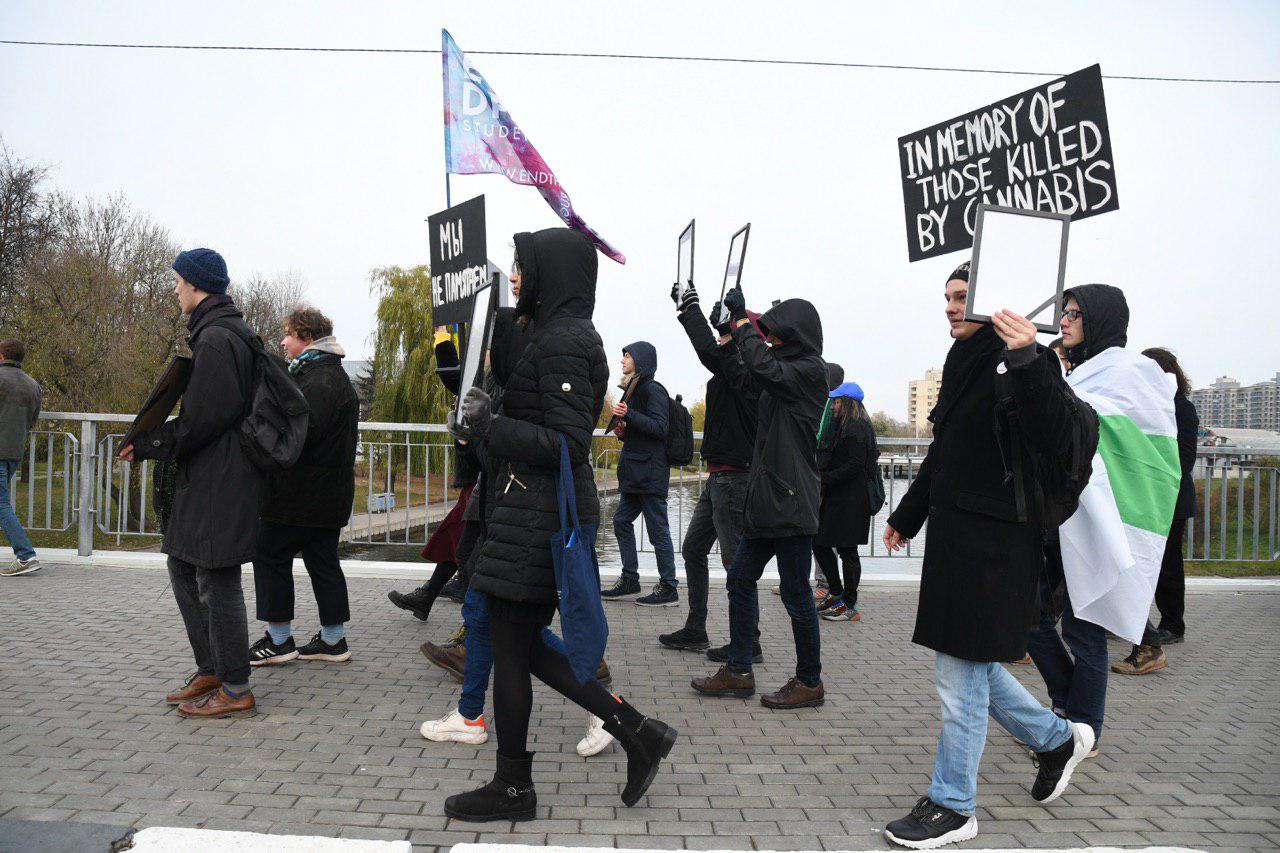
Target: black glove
column 690, row 298
column 736, row 303
column 719, row 318
column 477, row 415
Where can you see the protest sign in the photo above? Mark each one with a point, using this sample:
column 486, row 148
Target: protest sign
column 459, row 266
column 484, row 305
column 684, row 259
column 1048, row 149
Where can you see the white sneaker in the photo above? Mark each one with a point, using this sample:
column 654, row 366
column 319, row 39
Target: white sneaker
column 456, row 728
column 20, row 567
column 596, row 740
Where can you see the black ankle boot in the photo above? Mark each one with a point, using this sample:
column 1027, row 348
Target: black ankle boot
column 646, row 741
column 418, row 602
column 510, row 796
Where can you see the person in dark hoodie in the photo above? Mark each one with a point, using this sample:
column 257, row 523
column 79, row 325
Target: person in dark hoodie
column 213, row 526
column 643, row 477
column 982, row 565
column 784, row 360
column 554, row 395
column 728, row 436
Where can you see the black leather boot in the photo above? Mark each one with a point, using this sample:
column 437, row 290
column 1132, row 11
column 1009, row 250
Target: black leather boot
column 510, row 796
column 646, row 741
column 418, row 602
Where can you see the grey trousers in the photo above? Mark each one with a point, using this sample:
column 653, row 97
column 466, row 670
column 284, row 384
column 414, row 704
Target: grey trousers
column 716, row 517
column 211, row 602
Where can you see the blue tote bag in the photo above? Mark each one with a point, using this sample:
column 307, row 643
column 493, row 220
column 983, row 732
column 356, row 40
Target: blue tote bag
column 573, row 553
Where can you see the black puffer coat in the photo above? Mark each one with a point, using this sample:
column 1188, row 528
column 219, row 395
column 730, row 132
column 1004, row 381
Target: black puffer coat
column 214, row 522
column 643, row 468
column 556, row 389
column 782, row 492
column 844, row 519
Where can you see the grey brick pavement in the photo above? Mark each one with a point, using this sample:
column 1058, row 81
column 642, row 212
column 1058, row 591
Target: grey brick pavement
column 1189, row 756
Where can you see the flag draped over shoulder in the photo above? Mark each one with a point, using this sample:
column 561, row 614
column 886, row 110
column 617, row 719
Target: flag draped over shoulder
column 1113, row 545
column 481, row 137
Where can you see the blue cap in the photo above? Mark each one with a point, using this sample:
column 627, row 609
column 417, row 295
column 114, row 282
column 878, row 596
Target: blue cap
column 848, row 389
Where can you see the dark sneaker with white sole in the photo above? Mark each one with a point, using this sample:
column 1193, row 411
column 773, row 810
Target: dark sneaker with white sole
column 1057, row 765
column 266, row 653
column 930, row 825
column 661, row 596
column 720, row 654
column 622, row 589
column 318, row 649
column 686, row 640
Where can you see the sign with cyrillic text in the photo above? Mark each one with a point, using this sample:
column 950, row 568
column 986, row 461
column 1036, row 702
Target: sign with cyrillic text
column 459, row 260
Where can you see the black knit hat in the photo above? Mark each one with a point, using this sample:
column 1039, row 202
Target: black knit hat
column 961, row 272
column 203, row 269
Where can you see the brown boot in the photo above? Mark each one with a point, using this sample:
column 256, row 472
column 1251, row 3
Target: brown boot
column 603, row 675
column 795, row 694
column 193, row 688
column 726, row 682
column 1141, row 660
column 218, row 704
column 452, row 659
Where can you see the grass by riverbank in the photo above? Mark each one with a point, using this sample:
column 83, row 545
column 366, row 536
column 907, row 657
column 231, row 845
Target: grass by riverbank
column 1267, row 569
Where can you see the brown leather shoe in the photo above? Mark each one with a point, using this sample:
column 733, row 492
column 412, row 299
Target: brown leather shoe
column 795, row 694
column 726, row 682
column 452, row 659
column 218, row 704
column 193, row 688
column 603, row 675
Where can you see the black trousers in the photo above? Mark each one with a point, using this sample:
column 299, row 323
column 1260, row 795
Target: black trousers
column 278, row 544
column 1171, row 588
column 826, row 559
column 211, row 602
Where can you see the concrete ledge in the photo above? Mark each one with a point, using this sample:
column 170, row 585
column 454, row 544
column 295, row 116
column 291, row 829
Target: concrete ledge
column 163, row 839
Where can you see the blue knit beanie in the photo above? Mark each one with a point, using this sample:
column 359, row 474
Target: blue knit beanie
column 203, row 269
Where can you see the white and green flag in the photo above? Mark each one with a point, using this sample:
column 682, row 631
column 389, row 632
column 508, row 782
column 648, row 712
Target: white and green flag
column 1113, row 545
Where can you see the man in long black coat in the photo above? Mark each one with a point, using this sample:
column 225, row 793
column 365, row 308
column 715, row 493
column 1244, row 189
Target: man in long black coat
column 978, row 588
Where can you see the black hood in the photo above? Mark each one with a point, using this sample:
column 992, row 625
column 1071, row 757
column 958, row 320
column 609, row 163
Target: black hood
column 1106, row 320
column 796, row 323
column 557, row 275
column 835, row 375
column 645, row 357
column 502, row 345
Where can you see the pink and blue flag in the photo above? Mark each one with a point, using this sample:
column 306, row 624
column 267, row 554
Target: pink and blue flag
column 481, row 137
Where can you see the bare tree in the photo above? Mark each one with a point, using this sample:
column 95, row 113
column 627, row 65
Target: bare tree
column 26, row 224
column 266, row 301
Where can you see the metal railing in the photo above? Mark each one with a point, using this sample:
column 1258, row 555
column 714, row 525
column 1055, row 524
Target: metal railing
column 70, row 479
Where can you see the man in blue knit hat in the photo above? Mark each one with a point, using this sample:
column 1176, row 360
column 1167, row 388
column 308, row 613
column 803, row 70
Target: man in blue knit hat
column 213, row 524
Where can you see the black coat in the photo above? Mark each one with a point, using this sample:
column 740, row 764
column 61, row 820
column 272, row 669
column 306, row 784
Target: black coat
column 844, row 518
column 643, row 468
column 733, row 401
column 214, row 521
column 556, row 389
column 978, row 588
column 782, row 491
column 1188, row 419
column 319, row 489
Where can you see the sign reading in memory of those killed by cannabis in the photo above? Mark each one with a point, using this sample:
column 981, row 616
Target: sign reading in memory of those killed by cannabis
column 459, row 263
column 1046, row 149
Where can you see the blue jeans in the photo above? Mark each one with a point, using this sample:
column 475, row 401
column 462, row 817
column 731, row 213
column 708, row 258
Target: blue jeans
column 475, row 678
column 795, row 560
column 1077, row 687
column 8, row 518
column 970, row 692
column 654, row 507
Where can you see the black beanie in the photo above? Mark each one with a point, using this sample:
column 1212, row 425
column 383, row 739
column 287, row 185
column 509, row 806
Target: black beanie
column 203, row 269
column 961, row 272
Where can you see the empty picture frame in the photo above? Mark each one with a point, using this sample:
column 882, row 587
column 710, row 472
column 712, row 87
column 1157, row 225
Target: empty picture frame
column 1019, row 262
column 684, row 258
column 733, row 269
column 479, row 332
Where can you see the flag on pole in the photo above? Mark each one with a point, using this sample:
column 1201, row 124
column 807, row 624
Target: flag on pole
column 1112, row 546
column 481, row 137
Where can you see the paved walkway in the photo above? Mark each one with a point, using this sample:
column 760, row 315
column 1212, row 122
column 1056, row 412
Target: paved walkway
column 1190, row 756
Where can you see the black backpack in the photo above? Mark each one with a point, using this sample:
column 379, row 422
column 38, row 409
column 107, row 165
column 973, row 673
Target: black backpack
column 679, row 433
column 275, row 427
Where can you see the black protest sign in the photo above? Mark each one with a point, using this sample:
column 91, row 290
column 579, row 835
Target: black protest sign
column 1046, row 149
column 459, row 264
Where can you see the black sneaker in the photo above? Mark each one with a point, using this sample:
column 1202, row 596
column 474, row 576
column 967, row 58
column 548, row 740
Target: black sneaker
column 455, row 590
column 418, row 602
column 1056, row 765
column 661, row 596
column 720, row 654
column 1168, row 638
column 930, row 825
column 318, row 649
column 686, row 640
column 265, row 652
column 622, row 589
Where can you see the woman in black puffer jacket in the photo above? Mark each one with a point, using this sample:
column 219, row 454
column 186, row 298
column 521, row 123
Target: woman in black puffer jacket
column 556, row 389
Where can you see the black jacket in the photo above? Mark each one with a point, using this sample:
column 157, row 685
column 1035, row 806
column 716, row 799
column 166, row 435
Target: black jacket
column 733, row 401
column 318, row 490
column 978, row 588
column 1188, row 419
column 556, row 389
column 844, row 518
column 643, row 469
column 214, row 521
column 782, row 491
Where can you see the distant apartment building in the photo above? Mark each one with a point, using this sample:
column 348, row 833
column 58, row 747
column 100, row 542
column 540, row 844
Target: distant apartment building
column 922, row 396
column 1228, row 404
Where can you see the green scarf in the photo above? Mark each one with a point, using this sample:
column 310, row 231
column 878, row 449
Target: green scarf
column 825, row 428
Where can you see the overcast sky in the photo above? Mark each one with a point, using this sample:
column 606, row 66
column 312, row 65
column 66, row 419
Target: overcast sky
column 328, row 164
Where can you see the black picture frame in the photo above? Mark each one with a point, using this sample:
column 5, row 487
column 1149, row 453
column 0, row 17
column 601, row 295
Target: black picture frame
column 479, row 333
column 683, row 276
column 745, row 233
column 975, row 266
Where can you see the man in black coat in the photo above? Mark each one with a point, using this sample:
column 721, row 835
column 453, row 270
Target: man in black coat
column 643, row 477
column 728, row 436
column 978, row 587
column 784, row 361
column 213, row 527
column 305, row 507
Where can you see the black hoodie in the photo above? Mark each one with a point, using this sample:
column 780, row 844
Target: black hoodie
column 733, row 401
column 1106, row 320
column 783, row 492
column 643, row 469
